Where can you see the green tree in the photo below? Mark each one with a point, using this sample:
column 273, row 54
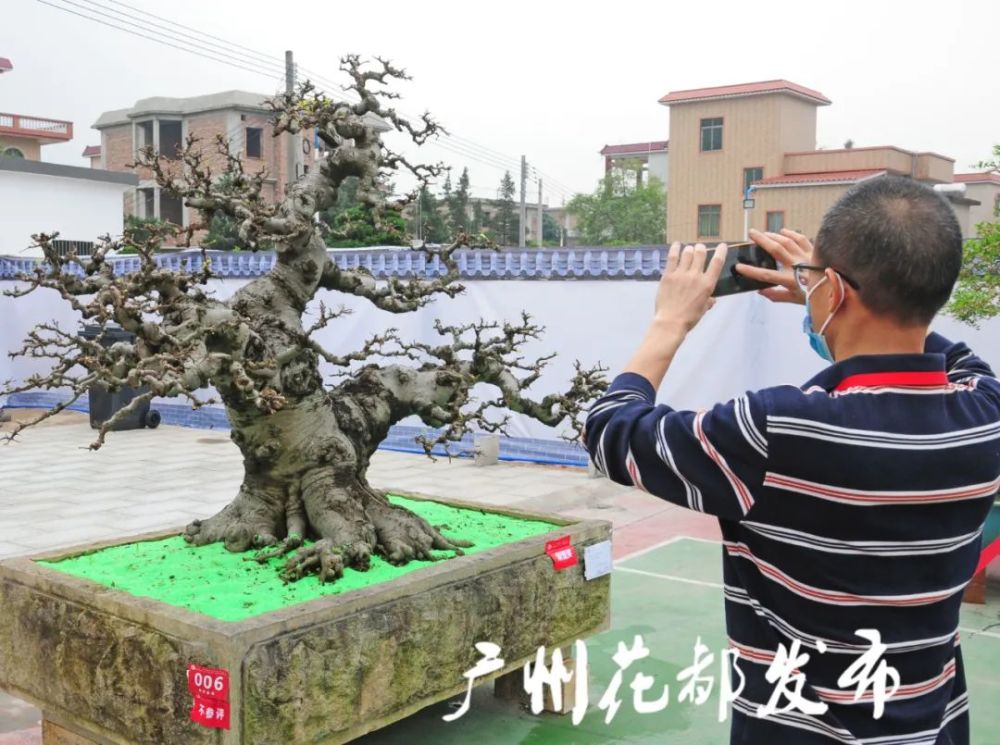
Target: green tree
column 446, row 200
column 432, row 227
column 223, row 234
column 622, row 211
column 352, row 224
column 458, row 204
column 550, row 229
column 347, row 198
column 505, row 222
column 478, row 218
column 140, row 230
column 977, row 293
column 355, row 227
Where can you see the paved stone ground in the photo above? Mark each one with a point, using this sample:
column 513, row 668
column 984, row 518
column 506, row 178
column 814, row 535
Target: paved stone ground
column 54, row 492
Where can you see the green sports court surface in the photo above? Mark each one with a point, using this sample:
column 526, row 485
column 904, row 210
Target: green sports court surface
column 670, row 594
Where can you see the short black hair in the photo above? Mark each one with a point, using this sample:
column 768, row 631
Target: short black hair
column 900, row 241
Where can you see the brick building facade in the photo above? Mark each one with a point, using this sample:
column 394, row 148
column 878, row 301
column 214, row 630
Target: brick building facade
column 744, row 156
column 166, row 123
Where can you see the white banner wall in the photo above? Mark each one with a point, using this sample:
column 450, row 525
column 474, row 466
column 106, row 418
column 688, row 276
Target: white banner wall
column 744, row 343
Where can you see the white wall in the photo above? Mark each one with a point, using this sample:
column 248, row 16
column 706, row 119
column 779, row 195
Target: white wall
column 744, row 343
column 986, row 194
column 658, row 166
column 80, row 209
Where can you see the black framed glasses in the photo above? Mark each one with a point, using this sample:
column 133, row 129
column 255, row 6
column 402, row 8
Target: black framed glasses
column 802, row 276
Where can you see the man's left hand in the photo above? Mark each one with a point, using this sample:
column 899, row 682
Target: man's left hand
column 685, row 291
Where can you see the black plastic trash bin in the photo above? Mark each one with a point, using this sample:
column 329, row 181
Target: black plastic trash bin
column 105, row 403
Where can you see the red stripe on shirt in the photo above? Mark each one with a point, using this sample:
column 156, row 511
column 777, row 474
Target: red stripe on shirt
column 901, row 379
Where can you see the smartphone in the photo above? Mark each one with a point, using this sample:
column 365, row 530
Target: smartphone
column 730, row 282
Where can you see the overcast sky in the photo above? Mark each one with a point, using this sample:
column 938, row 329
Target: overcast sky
column 555, row 81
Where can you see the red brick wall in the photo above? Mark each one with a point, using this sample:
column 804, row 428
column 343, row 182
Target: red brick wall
column 117, row 149
column 117, row 144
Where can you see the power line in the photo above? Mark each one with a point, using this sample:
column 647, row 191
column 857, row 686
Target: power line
column 182, row 38
column 240, row 59
column 462, row 145
column 150, row 38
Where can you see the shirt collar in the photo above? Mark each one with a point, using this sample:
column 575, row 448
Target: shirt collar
column 875, row 370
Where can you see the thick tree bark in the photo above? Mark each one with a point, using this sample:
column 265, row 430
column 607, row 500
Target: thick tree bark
column 305, row 478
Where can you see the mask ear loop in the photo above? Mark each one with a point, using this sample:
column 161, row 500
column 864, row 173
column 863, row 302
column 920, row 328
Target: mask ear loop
column 843, row 296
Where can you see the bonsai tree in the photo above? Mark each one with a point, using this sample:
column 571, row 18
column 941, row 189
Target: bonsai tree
column 306, row 447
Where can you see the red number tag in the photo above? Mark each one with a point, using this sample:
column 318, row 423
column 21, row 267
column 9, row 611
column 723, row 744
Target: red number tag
column 561, row 552
column 210, row 689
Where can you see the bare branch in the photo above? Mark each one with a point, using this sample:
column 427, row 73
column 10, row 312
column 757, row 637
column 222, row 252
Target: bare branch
column 397, row 295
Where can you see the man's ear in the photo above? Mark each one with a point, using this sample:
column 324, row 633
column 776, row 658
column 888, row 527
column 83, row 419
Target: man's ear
column 838, row 288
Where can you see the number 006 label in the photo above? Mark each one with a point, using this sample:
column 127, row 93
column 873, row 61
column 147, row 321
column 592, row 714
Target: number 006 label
column 210, row 689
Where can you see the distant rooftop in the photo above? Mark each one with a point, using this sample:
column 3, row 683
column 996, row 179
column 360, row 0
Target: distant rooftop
column 745, row 89
column 40, row 168
column 92, row 151
column 826, row 177
column 45, row 130
column 226, row 100
column 184, row 106
column 990, row 177
column 903, row 150
column 635, row 148
column 6, row 65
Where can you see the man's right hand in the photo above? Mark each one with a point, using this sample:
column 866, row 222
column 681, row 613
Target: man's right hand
column 787, row 248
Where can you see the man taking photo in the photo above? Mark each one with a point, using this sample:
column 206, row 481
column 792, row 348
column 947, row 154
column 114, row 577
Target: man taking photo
column 854, row 502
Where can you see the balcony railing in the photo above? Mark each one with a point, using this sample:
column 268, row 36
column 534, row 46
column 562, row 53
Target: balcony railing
column 35, row 127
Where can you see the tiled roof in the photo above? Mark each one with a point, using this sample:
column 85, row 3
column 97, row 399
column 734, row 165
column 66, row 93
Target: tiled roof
column 990, row 177
column 904, row 151
column 6, row 64
column 745, row 89
column 91, row 151
column 635, row 148
column 223, row 101
column 627, row 262
column 826, row 177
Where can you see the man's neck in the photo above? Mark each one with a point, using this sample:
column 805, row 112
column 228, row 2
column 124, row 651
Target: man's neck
column 871, row 335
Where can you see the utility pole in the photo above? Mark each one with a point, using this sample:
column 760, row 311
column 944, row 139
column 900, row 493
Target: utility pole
column 541, row 222
column 524, row 209
column 294, row 151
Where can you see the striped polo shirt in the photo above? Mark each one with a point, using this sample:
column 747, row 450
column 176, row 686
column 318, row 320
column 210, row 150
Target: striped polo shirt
column 854, row 502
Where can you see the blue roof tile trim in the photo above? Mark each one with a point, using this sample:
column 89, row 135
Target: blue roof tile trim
column 626, row 262
column 401, row 438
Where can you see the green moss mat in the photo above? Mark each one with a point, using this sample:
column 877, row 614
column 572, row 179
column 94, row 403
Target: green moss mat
column 223, row 585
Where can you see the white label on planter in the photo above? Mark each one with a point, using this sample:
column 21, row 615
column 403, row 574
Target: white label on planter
column 597, row 560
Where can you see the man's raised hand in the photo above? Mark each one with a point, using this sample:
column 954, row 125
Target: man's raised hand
column 685, row 291
column 788, row 248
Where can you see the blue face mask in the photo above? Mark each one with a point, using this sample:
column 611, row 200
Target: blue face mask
column 816, row 339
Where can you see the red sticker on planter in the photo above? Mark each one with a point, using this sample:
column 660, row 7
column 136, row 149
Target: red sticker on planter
column 210, row 688
column 561, row 553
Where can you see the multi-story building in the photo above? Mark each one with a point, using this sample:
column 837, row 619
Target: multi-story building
column 985, row 189
column 744, row 156
column 724, row 139
column 80, row 204
column 651, row 155
column 166, row 123
column 812, row 181
column 22, row 136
